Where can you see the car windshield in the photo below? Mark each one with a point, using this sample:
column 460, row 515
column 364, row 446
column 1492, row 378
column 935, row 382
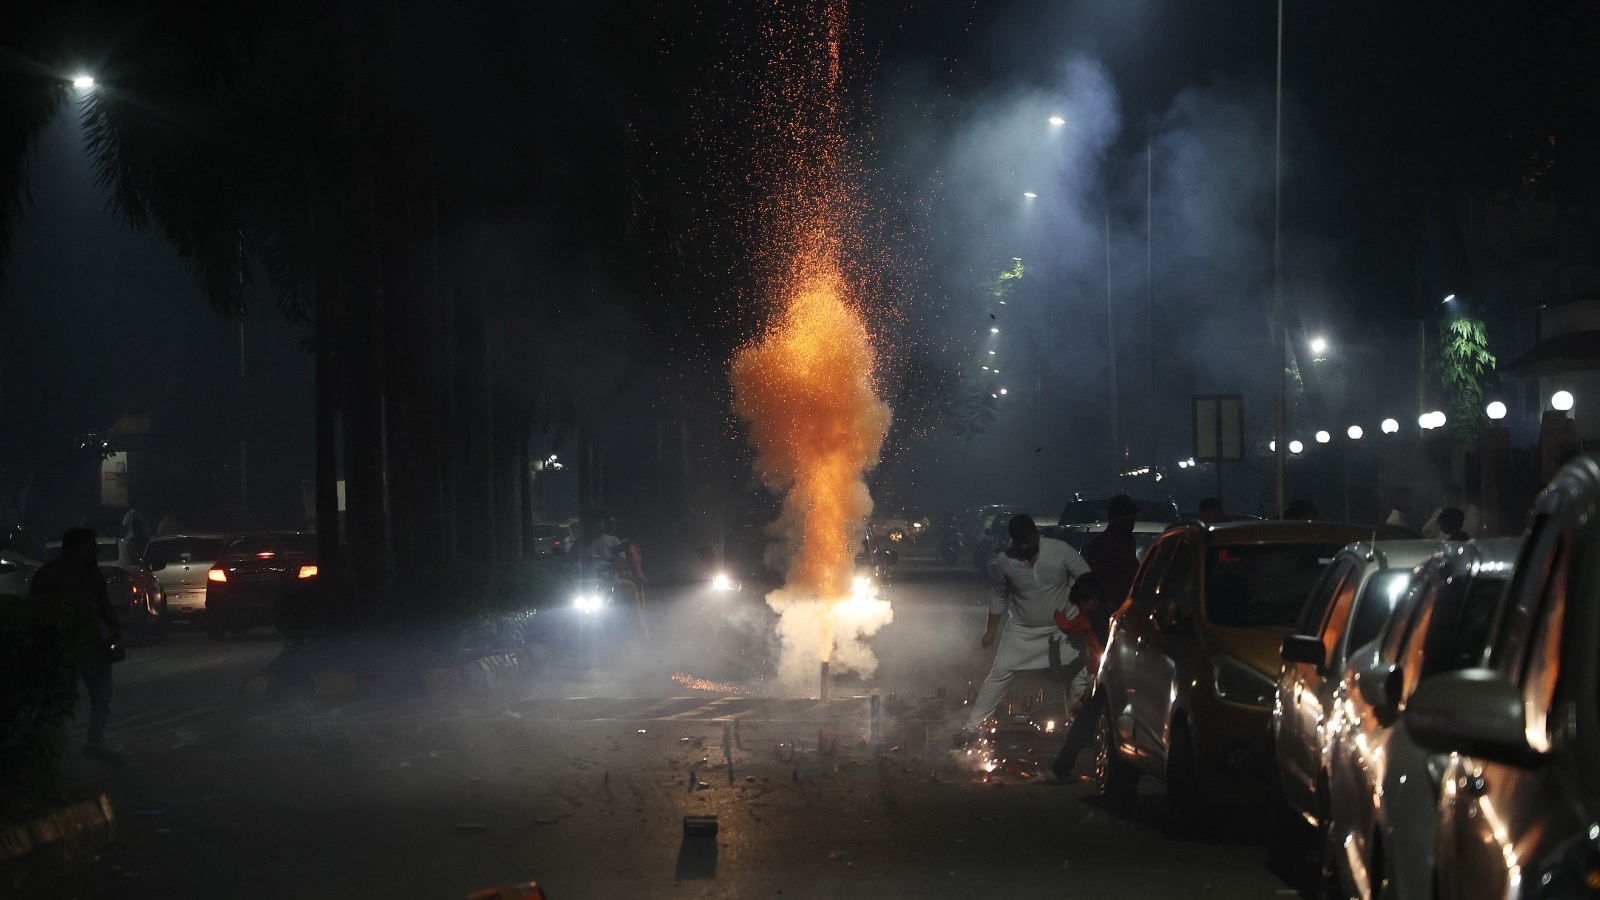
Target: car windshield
column 272, row 543
column 1250, row 586
column 1377, row 603
column 166, row 551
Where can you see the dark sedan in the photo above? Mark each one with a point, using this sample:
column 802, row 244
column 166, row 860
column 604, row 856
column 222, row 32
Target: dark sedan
column 265, row 578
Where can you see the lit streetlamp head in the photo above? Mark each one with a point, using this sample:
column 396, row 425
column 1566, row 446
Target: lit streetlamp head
column 1296, row 447
column 1029, row 194
column 1561, row 400
column 1495, row 410
column 1355, row 432
column 1390, row 426
column 83, row 82
column 1318, row 345
column 1057, row 121
column 1447, row 299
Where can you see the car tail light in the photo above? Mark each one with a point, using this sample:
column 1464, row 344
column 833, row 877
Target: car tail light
column 308, row 571
column 217, row 573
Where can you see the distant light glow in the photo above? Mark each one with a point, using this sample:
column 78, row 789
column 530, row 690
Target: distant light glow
column 1355, row 432
column 83, row 82
column 1057, row 121
column 1431, row 420
column 1561, row 400
column 1002, row 390
column 1495, row 410
column 1390, row 426
column 1273, row 446
column 1029, row 194
column 1318, row 345
column 1447, row 299
column 1296, row 447
column 1323, row 437
column 994, row 331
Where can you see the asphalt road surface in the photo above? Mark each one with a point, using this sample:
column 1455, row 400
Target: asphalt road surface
column 581, row 780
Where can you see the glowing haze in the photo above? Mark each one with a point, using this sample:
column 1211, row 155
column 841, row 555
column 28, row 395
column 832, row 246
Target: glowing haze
column 806, row 385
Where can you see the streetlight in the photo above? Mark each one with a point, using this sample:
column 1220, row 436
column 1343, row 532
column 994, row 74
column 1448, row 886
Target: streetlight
column 1323, row 437
column 1296, row 446
column 1495, row 410
column 1390, row 426
column 1057, row 121
column 1029, row 194
column 1355, row 432
column 1318, row 345
column 1561, row 400
column 83, row 82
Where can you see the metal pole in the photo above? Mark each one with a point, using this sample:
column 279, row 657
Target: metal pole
column 1149, row 309
column 1280, row 351
column 1111, row 352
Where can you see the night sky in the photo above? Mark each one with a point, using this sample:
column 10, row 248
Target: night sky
column 1387, row 113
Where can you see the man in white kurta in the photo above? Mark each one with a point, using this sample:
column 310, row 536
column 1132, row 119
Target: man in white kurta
column 1030, row 582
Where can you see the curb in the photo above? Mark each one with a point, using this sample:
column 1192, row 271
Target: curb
column 67, row 834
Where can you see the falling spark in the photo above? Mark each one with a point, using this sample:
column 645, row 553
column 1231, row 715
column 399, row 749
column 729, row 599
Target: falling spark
column 806, row 385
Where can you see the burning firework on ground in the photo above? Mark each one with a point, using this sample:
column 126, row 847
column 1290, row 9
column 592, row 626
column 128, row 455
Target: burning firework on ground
column 806, row 385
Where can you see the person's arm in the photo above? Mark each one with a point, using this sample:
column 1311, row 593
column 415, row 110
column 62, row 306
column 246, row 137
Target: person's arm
column 104, row 610
column 999, row 595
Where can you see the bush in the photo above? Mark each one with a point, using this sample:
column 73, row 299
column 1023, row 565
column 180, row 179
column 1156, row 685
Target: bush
column 39, row 698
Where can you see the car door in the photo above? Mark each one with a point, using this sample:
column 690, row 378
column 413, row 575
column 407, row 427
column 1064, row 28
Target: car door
column 1300, row 705
column 1168, row 639
column 1131, row 628
column 1502, row 810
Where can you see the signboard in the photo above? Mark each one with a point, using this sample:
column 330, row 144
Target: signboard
column 114, row 479
column 1218, row 427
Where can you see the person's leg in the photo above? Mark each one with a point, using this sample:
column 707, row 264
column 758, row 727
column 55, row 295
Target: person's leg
column 97, row 678
column 991, row 693
column 1079, row 735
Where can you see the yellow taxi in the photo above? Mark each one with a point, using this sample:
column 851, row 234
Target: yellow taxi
column 1191, row 667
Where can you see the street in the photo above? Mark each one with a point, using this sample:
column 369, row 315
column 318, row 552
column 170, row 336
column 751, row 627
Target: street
column 581, row 780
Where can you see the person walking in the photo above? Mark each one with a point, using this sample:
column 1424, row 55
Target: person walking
column 1030, row 582
column 1083, row 702
column 72, row 592
column 1114, row 558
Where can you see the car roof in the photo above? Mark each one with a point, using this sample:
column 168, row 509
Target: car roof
column 1279, row 531
column 189, row 536
column 1404, row 553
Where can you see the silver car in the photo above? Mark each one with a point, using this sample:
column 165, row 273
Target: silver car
column 1519, row 799
column 20, row 556
column 180, row 563
column 1349, row 604
column 1379, row 838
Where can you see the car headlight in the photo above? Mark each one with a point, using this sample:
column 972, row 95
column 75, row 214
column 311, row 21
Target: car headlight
column 1238, row 683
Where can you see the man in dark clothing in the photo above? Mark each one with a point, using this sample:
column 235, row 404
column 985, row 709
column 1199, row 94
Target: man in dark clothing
column 1113, row 558
column 71, row 593
column 1451, row 522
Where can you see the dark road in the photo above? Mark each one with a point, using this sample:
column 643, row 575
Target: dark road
column 581, row 780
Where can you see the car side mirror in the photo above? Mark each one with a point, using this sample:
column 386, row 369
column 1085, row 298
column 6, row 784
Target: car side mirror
column 1473, row 711
column 1380, row 684
column 1303, row 648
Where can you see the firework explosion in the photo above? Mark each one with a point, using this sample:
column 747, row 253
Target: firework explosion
column 806, row 386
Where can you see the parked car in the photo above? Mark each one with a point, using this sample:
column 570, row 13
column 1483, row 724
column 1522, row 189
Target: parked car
column 135, row 594
column 1190, row 671
column 1081, row 534
column 1379, row 834
column 1080, row 509
column 1519, row 796
column 261, row 579
column 551, row 539
column 1350, row 603
column 21, row 555
column 180, row 563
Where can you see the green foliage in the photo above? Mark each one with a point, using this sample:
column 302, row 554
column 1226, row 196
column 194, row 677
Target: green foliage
column 1465, row 364
column 38, row 700
column 1002, row 285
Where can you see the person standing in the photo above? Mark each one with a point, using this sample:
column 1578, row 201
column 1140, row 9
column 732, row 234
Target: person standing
column 71, row 591
column 1451, row 524
column 1083, row 701
column 1471, row 516
column 1211, row 511
column 1114, row 558
column 1030, row 582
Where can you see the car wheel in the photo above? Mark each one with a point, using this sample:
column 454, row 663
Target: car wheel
column 1182, row 790
column 1114, row 777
